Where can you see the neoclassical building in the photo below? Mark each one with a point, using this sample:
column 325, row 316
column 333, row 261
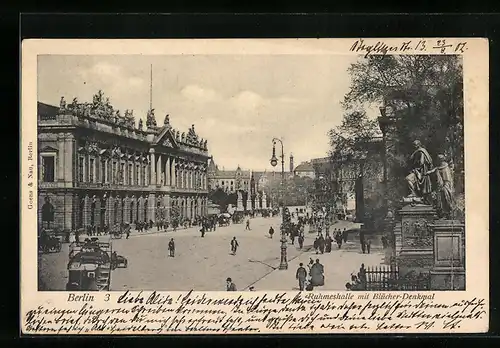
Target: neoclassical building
column 97, row 168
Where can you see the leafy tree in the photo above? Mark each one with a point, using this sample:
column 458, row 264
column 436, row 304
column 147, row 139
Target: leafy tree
column 424, row 98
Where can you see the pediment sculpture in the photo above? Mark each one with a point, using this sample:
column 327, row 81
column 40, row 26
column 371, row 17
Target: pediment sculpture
column 92, row 148
column 62, row 104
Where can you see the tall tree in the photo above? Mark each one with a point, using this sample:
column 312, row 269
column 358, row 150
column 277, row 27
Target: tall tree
column 425, row 97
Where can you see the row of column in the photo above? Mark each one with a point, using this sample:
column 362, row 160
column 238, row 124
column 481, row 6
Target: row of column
column 174, row 172
column 100, row 211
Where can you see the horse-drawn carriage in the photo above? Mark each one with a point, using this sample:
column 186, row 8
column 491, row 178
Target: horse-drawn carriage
column 49, row 241
column 224, row 219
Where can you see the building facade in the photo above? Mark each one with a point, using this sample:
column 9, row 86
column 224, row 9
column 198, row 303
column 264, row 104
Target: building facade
column 229, row 181
column 96, row 168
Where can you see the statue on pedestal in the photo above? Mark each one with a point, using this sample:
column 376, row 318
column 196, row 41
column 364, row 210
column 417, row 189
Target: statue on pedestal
column 150, row 119
column 418, row 181
column 444, row 179
column 166, row 122
column 140, row 124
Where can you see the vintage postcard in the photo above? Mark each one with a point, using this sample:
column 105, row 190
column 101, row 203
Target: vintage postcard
column 254, row 186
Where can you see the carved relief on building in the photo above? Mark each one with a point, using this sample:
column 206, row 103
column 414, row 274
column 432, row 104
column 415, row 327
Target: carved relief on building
column 417, row 233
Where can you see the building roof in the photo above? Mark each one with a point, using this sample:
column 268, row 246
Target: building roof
column 231, row 174
column 47, row 109
column 304, row 167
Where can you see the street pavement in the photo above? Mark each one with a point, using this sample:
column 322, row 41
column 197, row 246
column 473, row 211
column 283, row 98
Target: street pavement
column 203, row 264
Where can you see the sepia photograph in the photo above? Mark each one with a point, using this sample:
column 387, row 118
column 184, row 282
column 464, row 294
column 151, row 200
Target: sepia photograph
column 255, row 172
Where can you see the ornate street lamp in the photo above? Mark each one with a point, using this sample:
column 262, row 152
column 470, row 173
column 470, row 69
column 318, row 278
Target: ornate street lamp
column 274, row 162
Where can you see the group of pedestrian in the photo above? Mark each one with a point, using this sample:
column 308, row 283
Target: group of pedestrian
column 309, row 279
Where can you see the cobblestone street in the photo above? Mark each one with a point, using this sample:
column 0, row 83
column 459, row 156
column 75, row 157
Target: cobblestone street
column 203, row 264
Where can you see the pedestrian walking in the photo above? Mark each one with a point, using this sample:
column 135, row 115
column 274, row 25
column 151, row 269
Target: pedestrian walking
column 301, row 241
column 127, row 233
column 247, row 227
column 316, row 245
column 202, row 230
column 344, row 236
column 301, row 276
column 171, row 247
column 230, row 286
column 271, row 232
column 368, row 246
column 321, row 242
column 234, row 245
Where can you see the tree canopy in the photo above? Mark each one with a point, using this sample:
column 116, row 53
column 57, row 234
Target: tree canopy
column 422, row 96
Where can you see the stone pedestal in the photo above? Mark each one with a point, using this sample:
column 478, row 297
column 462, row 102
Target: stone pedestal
column 239, row 204
column 448, row 272
column 417, row 253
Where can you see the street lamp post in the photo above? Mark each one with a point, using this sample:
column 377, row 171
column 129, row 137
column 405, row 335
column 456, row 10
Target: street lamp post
column 274, row 162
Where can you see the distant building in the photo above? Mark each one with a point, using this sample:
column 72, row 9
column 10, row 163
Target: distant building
column 229, row 181
column 305, row 169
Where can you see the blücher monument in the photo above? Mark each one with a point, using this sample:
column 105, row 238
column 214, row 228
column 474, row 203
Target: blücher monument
column 429, row 240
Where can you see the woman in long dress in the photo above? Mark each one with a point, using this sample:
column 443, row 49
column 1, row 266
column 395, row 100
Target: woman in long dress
column 444, row 180
column 317, row 274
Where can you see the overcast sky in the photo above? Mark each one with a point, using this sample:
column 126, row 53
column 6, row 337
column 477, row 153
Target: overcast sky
column 237, row 102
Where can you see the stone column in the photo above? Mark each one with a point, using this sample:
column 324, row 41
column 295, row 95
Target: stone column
column 158, row 170
column 152, row 170
column 68, row 159
column 167, row 171
column 61, row 145
column 151, row 207
column 174, row 177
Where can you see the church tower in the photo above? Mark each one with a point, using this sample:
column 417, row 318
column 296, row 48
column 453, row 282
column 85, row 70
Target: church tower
column 291, row 163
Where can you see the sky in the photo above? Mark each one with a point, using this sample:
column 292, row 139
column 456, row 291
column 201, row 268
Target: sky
column 237, row 102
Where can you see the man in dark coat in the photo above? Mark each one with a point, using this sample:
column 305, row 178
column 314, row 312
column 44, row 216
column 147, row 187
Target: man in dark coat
column 171, row 247
column 321, row 244
column 301, row 276
column 230, row 286
column 328, row 243
column 234, row 245
column 271, row 232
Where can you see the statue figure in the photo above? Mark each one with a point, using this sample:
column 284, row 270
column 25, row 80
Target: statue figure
column 150, row 119
column 444, row 179
column 205, row 145
column 183, row 137
column 418, row 181
column 177, row 136
column 62, row 104
column 140, row 124
column 166, row 122
column 117, row 113
column 74, row 104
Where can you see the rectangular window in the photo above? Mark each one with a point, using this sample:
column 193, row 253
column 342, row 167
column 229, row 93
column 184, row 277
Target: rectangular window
column 122, row 173
column 137, row 175
column 130, row 178
column 114, row 172
column 48, row 168
column 103, row 171
column 81, row 169
column 91, row 170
